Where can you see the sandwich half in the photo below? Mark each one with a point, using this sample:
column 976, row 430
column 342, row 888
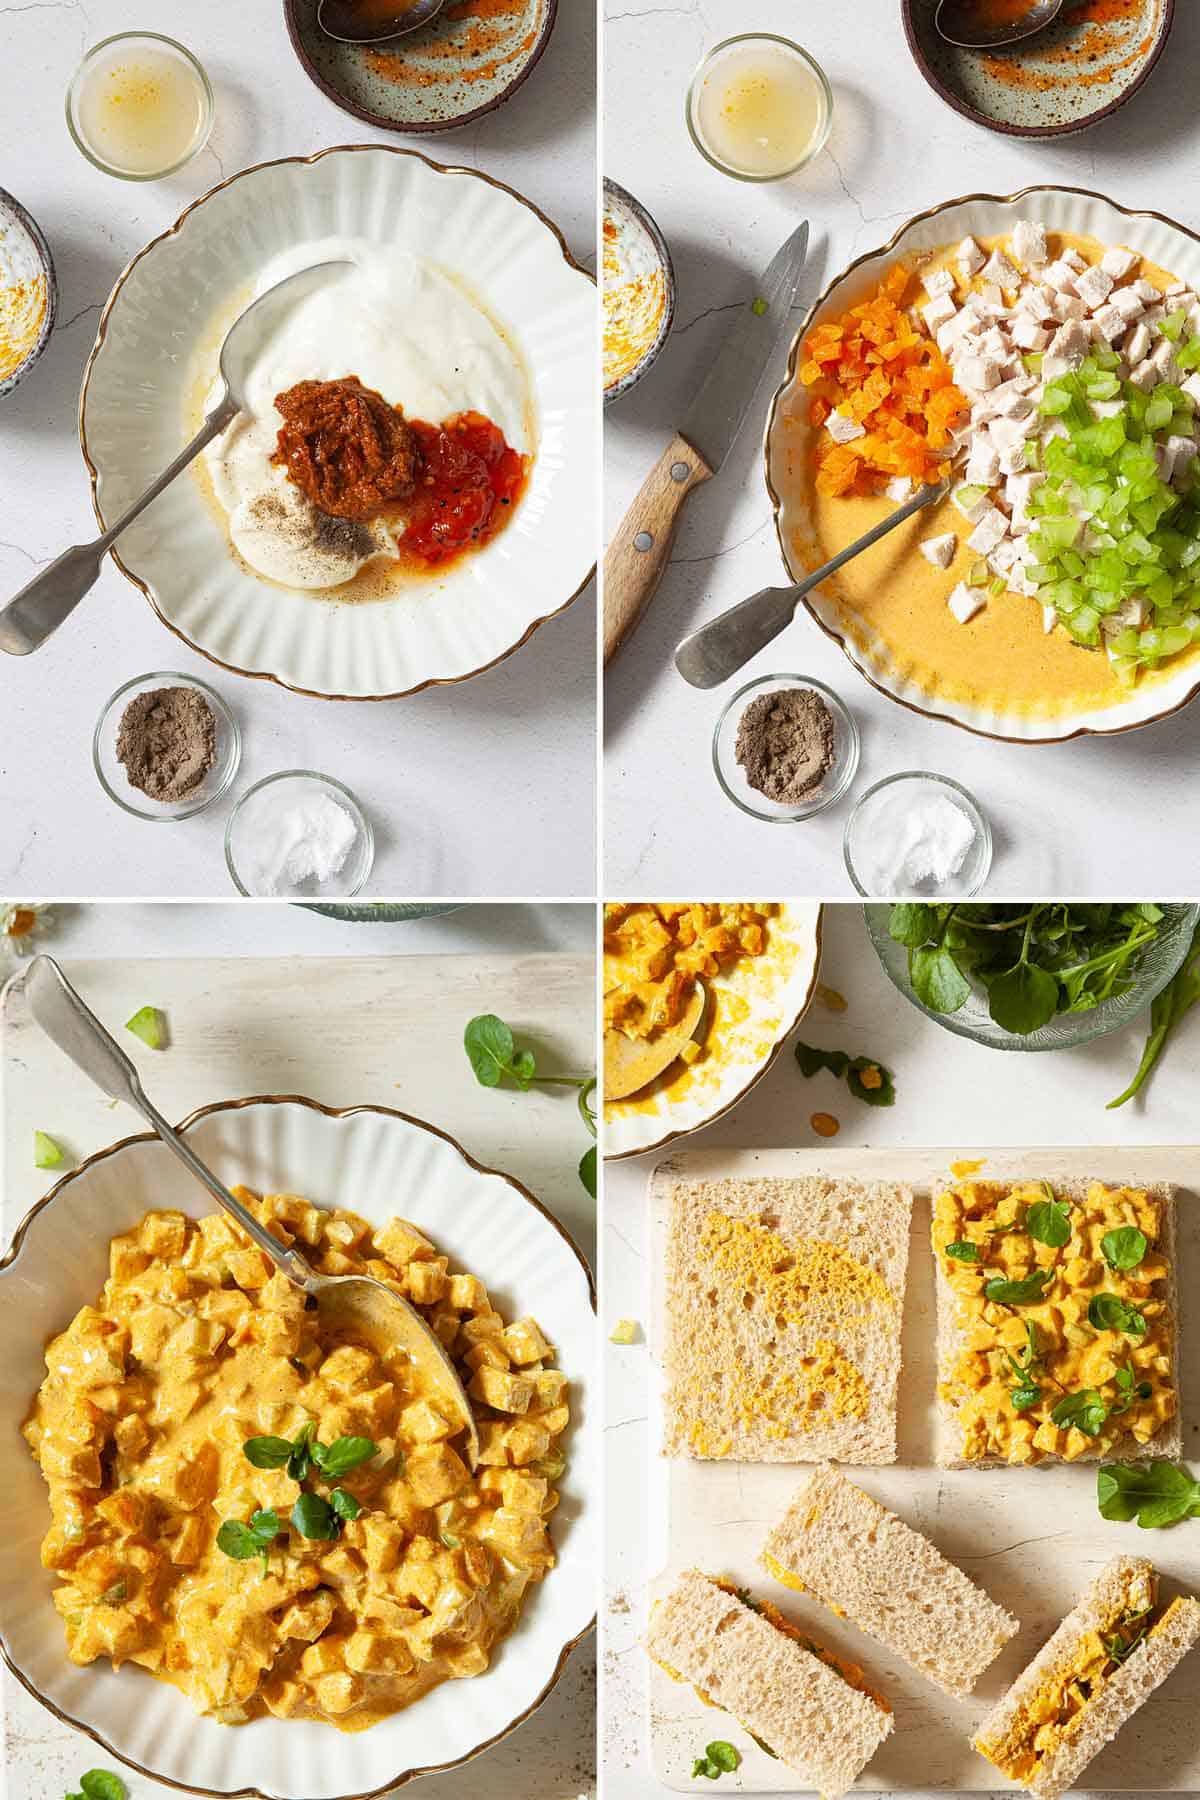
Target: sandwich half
column 860, row 1560
column 1058, row 1322
column 799, row 1701
column 1106, row 1658
column 783, row 1311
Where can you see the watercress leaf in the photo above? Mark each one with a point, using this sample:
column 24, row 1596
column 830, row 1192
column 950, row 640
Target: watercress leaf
column 870, row 1082
column 724, row 1756
column 46, row 1153
column 265, row 1526
column 1155, row 1514
column 1023, row 999
column 102, row 1784
column 1177, row 998
column 1049, row 1222
column 236, row 1540
column 812, row 1061
column 489, row 1045
column 344, row 1454
column 937, row 980
column 700, row 1767
column 1128, row 1490
column 963, row 1251
column 524, row 1067
column 344, row 1503
column 1086, row 1411
column 267, row 1452
column 587, row 1170
column 150, row 1025
column 1124, row 1248
column 1027, row 1292
column 1115, row 1500
column 313, row 1517
column 912, row 924
column 1025, row 1397
column 1108, row 1312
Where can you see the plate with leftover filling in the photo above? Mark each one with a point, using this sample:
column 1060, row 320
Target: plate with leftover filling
column 404, row 498
column 758, row 962
column 1042, row 350
column 247, row 1517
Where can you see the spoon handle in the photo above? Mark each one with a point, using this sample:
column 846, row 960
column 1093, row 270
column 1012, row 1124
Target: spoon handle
column 78, row 1033
column 43, row 603
column 719, row 649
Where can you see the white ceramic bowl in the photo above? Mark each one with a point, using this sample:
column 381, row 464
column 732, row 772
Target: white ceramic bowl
column 759, row 1003
column 788, row 442
column 138, row 397
column 376, row 1162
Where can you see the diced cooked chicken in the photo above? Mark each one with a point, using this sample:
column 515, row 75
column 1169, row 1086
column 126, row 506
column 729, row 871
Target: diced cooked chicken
column 977, row 373
column 1029, row 243
column 1119, row 262
column 965, row 602
column 1109, row 323
column 1060, row 276
column 1065, row 307
column 899, row 488
column 1147, row 292
column 971, row 506
column 988, row 532
column 1073, row 259
column 1175, row 457
column 1027, row 334
column 1136, row 347
column 939, row 551
column 983, row 464
column 938, row 282
column 1145, row 376
column 843, row 430
column 938, row 311
column 998, row 269
column 1017, row 490
column 1049, row 619
column 969, row 257
column 1094, row 287
column 1126, row 302
column 1191, row 387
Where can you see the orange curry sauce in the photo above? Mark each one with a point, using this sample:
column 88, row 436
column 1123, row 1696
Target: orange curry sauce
column 444, row 489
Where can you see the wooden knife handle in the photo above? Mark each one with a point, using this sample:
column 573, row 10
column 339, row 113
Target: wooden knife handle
column 639, row 553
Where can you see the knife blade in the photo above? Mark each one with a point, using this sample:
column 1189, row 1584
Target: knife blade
column 717, row 414
column 641, row 547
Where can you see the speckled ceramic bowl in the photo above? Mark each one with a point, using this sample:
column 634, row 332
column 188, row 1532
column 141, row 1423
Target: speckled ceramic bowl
column 28, row 292
column 639, row 291
column 468, row 61
column 1069, row 76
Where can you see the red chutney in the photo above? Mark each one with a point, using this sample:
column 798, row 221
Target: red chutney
column 471, row 479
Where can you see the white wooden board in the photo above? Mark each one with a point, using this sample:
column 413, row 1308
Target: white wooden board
column 1033, row 1538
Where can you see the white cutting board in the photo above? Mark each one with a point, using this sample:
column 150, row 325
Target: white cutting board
column 1033, row 1538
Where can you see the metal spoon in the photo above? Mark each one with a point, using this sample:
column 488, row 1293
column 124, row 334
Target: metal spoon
column 632, row 1064
column 355, row 1302
column 350, row 22
column 41, row 606
column 719, row 649
column 964, row 22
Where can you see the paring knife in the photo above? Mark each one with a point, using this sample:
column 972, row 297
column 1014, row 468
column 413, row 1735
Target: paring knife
column 639, row 553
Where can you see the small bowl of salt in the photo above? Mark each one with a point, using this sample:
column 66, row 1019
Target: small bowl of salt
column 917, row 833
column 299, row 835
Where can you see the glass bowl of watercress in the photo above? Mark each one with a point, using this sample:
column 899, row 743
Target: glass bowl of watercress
column 1032, row 975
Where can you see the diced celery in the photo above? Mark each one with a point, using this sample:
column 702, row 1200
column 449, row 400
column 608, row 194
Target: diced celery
column 998, row 586
column 978, row 574
column 1172, row 326
column 1158, row 412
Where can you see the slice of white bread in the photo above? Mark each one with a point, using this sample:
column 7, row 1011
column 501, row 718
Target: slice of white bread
column 783, row 1310
column 859, row 1559
column 1124, row 1580
column 953, row 1333
column 791, row 1701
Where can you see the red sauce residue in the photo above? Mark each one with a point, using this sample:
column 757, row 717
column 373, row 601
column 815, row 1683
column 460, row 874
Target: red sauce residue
column 477, row 53
column 1090, row 57
column 472, row 480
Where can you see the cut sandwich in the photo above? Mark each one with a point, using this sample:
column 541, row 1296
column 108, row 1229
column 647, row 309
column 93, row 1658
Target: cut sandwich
column 1057, row 1322
column 800, row 1702
column 1104, row 1661
column 783, row 1310
column 860, row 1560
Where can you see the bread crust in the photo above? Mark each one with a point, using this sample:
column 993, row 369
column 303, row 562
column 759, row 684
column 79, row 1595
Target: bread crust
column 951, row 1340
column 781, row 1693
column 1122, row 1693
column 754, row 1380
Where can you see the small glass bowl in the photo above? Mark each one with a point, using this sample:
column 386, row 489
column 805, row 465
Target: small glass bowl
column 253, row 812
column 732, row 776
column 1159, row 964
column 863, row 822
column 116, row 782
column 132, row 40
column 726, row 48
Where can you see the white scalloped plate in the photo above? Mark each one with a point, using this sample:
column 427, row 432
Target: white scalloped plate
column 136, row 405
column 378, row 1163
column 758, row 1003
column 787, row 443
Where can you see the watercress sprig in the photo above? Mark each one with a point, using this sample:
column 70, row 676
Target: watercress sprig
column 493, row 1054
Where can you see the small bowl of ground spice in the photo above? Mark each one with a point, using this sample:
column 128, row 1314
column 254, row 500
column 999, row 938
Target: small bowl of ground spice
column 785, row 748
column 166, row 746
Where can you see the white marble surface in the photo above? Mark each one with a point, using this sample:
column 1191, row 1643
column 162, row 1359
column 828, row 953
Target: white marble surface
column 895, row 149
column 480, row 789
column 273, row 1036
column 947, row 1091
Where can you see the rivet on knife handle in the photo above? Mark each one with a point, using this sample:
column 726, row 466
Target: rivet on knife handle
column 641, row 548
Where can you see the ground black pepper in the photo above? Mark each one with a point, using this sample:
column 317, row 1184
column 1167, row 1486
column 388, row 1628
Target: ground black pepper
column 167, row 741
column 785, row 744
